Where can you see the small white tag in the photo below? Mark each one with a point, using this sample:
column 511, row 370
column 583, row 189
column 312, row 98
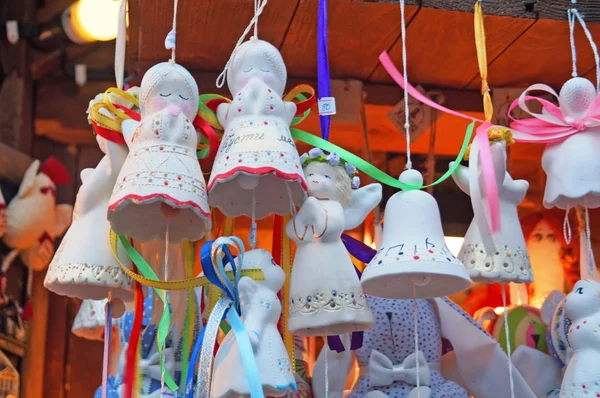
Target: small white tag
column 80, row 74
column 12, row 32
column 327, row 106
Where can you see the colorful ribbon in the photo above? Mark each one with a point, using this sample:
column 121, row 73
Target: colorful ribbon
column 323, row 75
column 212, row 254
column 554, row 124
column 487, row 167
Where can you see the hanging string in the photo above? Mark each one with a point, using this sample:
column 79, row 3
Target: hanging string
column 406, row 109
column 171, row 39
column 508, row 349
column 416, row 326
column 259, row 6
column 107, row 335
column 120, row 45
column 252, row 234
column 591, row 261
column 326, row 348
column 166, row 305
column 572, row 15
column 567, row 233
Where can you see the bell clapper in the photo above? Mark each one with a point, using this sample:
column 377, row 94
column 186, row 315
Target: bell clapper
column 247, row 181
column 421, row 280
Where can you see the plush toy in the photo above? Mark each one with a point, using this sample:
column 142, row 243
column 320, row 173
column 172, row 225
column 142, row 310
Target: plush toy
column 33, row 219
column 161, row 187
column 260, row 310
column 582, row 376
column 326, row 297
column 509, row 262
column 388, row 363
column 257, row 170
column 77, row 271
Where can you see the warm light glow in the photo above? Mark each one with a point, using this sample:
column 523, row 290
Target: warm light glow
column 499, row 310
column 454, row 244
column 95, row 20
column 373, row 246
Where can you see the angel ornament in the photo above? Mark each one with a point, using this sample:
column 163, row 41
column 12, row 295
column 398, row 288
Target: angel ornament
column 161, row 186
column 326, row 297
column 507, row 260
column 257, row 169
column 260, row 310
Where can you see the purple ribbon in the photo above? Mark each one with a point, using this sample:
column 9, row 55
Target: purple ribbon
column 359, row 250
column 323, row 76
column 335, row 342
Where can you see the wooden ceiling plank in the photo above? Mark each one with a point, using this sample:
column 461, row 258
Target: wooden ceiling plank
column 358, row 32
column 446, row 56
column 207, row 35
column 541, row 55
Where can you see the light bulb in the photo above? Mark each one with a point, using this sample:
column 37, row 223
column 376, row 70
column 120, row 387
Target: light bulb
column 91, row 20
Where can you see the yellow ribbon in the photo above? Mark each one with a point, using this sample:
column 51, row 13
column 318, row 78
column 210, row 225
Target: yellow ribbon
column 286, row 260
column 488, row 108
column 114, row 110
column 182, row 284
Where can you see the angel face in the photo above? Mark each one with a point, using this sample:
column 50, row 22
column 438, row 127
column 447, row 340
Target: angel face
column 584, row 300
column 327, row 182
column 257, row 59
column 170, row 87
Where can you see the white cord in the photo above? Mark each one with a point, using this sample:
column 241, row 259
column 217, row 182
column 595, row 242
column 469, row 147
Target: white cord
column 508, row 349
column 259, row 6
column 567, row 233
column 588, row 34
column 591, row 262
column 571, row 19
column 120, row 45
column 252, row 235
column 416, row 325
column 174, row 30
column 326, row 348
column 406, row 109
column 166, row 306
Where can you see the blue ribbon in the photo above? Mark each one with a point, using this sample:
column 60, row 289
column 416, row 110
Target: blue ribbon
column 213, row 264
column 323, row 75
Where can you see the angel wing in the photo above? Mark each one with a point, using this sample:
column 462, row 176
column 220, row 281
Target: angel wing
column 362, row 202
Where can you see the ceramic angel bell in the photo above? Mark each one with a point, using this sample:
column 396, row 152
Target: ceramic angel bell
column 326, row 297
column 509, row 261
column 257, row 170
column 75, row 270
column 161, row 187
column 470, row 363
column 571, row 131
column 582, row 377
column 260, row 310
column 33, row 219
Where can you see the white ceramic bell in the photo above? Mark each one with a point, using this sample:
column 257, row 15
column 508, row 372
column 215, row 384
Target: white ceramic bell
column 90, row 319
column 413, row 252
column 257, row 170
column 573, row 165
column 84, row 265
column 582, row 376
column 508, row 261
column 161, row 185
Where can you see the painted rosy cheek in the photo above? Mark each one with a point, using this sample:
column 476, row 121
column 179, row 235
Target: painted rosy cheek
column 158, row 103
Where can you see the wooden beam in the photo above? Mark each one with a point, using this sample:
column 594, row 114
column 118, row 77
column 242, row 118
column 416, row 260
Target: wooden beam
column 543, row 9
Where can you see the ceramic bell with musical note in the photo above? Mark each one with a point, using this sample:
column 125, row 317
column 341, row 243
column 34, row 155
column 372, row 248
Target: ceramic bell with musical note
column 161, row 186
column 501, row 257
column 257, row 170
column 413, row 260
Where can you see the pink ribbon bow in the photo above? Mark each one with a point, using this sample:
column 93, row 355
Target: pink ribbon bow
column 554, row 124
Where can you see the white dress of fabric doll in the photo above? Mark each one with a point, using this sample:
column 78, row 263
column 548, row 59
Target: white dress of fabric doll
column 572, row 166
column 326, row 297
column 510, row 261
column 260, row 311
column 582, row 377
column 161, row 185
column 84, row 265
column 257, row 170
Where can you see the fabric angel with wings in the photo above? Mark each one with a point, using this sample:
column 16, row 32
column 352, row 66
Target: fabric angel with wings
column 326, row 297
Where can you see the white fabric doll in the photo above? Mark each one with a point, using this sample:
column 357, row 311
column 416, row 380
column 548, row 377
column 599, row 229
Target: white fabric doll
column 326, row 297
column 582, row 377
column 161, row 186
column 75, row 270
column 260, row 311
column 510, row 261
column 257, row 170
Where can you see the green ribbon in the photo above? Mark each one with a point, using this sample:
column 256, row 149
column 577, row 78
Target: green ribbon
column 374, row 172
column 165, row 320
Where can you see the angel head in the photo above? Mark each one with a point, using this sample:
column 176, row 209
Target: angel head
column 328, row 176
column 167, row 85
column 576, row 97
column 257, row 59
column 262, row 259
column 584, row 300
